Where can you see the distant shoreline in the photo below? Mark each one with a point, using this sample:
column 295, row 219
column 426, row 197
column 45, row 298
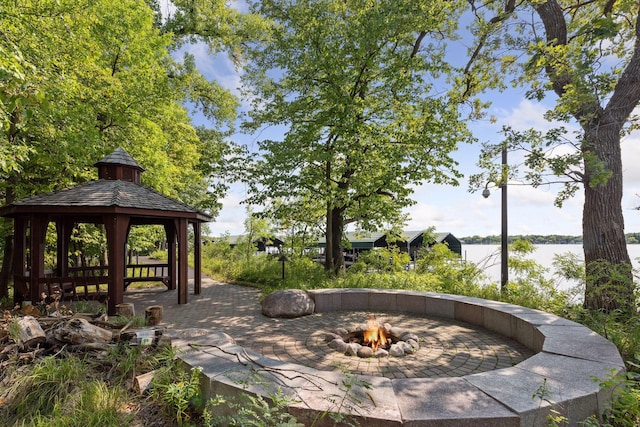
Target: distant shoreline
column 537, row 239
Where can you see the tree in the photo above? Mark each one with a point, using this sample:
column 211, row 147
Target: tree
column 77, row 80
column 588, row 55
column 356, row 85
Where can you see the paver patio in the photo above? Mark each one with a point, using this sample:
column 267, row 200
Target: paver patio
column 481, row 362
column 448, row 348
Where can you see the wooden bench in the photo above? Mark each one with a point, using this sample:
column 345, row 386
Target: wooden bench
column 86, row 282
column 156, row 272
column 76, row 287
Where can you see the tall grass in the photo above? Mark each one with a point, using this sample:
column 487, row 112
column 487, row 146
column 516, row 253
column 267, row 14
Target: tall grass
column 95, row 404
column 48, row 383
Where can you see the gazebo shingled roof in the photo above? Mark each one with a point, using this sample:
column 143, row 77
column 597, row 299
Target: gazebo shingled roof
column 116, row 200
column 109, row 193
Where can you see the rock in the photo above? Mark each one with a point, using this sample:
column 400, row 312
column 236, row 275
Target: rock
column 397, row 332
column 288, row 303
column 381, row 352
column 340, row 331
column 407, row 337
column 331, row 336
column 352, row 349
column 365, row 352
column 338, row 345
column 406, row 347
column 414, row 344
column 396, row 350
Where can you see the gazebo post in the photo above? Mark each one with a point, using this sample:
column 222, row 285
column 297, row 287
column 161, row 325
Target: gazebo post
column 19, row 255
column 64, row 227
column 116, row 227
column 183, row 277
column 197, row 258
column 38, row 232
column 170, row 231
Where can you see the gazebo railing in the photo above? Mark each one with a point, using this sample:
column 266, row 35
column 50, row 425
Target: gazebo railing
column 91, row 282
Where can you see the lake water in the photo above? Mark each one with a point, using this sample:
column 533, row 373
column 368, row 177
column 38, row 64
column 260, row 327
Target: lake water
column 489, row 256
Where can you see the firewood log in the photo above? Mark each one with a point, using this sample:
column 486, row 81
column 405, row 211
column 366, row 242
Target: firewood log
column 80, row 331
column 153, row 315
column 30, row 333
column 125, row 309
column 143, row 382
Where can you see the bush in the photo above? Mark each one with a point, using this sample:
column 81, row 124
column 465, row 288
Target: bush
column 381, row 260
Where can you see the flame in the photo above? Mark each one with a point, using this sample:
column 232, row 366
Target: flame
column 374, row 335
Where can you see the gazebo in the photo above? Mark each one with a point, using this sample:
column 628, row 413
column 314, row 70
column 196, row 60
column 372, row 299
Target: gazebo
column 116, row 200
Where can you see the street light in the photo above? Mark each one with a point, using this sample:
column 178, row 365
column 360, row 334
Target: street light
column 504, row 264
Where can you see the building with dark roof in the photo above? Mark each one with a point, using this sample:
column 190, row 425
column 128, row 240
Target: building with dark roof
column 410, row 242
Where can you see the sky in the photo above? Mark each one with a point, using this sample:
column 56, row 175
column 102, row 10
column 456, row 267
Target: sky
column 455, row 209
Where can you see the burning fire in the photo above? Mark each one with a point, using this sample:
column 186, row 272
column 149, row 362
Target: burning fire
column 374, row 335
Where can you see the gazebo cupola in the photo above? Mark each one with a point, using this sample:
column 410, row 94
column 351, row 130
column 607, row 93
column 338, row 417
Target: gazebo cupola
column 119, row 166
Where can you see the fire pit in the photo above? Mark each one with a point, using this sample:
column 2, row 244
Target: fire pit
column 373, row 339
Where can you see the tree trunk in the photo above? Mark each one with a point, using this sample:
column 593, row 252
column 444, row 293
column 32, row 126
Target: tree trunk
column 80, row 331
column 153, row 315
column 328, row 247
column 126, row 310
column 7, row 264
column 7, row 257
column 609, row 276
column 337, row 225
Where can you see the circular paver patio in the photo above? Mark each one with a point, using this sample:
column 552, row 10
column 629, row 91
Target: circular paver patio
column 448, row 348
column 469, row 375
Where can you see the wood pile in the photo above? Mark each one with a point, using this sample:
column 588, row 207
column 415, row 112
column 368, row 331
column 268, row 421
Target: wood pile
column 25, row 334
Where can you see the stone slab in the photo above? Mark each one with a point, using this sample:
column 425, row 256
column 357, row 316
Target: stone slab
column 449, row 402
column 532, row 395
column 579, row 381
column 326, row 300
column 383, row 300
column 580, row 342
column 412, row 303
column 441, row 307
column 367, row 400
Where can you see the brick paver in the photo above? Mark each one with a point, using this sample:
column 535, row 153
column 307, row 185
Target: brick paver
column 448, row 348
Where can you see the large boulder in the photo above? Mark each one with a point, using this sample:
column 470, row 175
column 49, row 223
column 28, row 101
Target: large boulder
column 288, row 303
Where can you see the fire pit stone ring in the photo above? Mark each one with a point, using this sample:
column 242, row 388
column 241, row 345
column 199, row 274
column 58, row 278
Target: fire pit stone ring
column 567, row 357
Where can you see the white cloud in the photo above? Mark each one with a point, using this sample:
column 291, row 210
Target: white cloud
column 630, row 158
column 526, row 115
column 232, row 215
column 530, row 196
